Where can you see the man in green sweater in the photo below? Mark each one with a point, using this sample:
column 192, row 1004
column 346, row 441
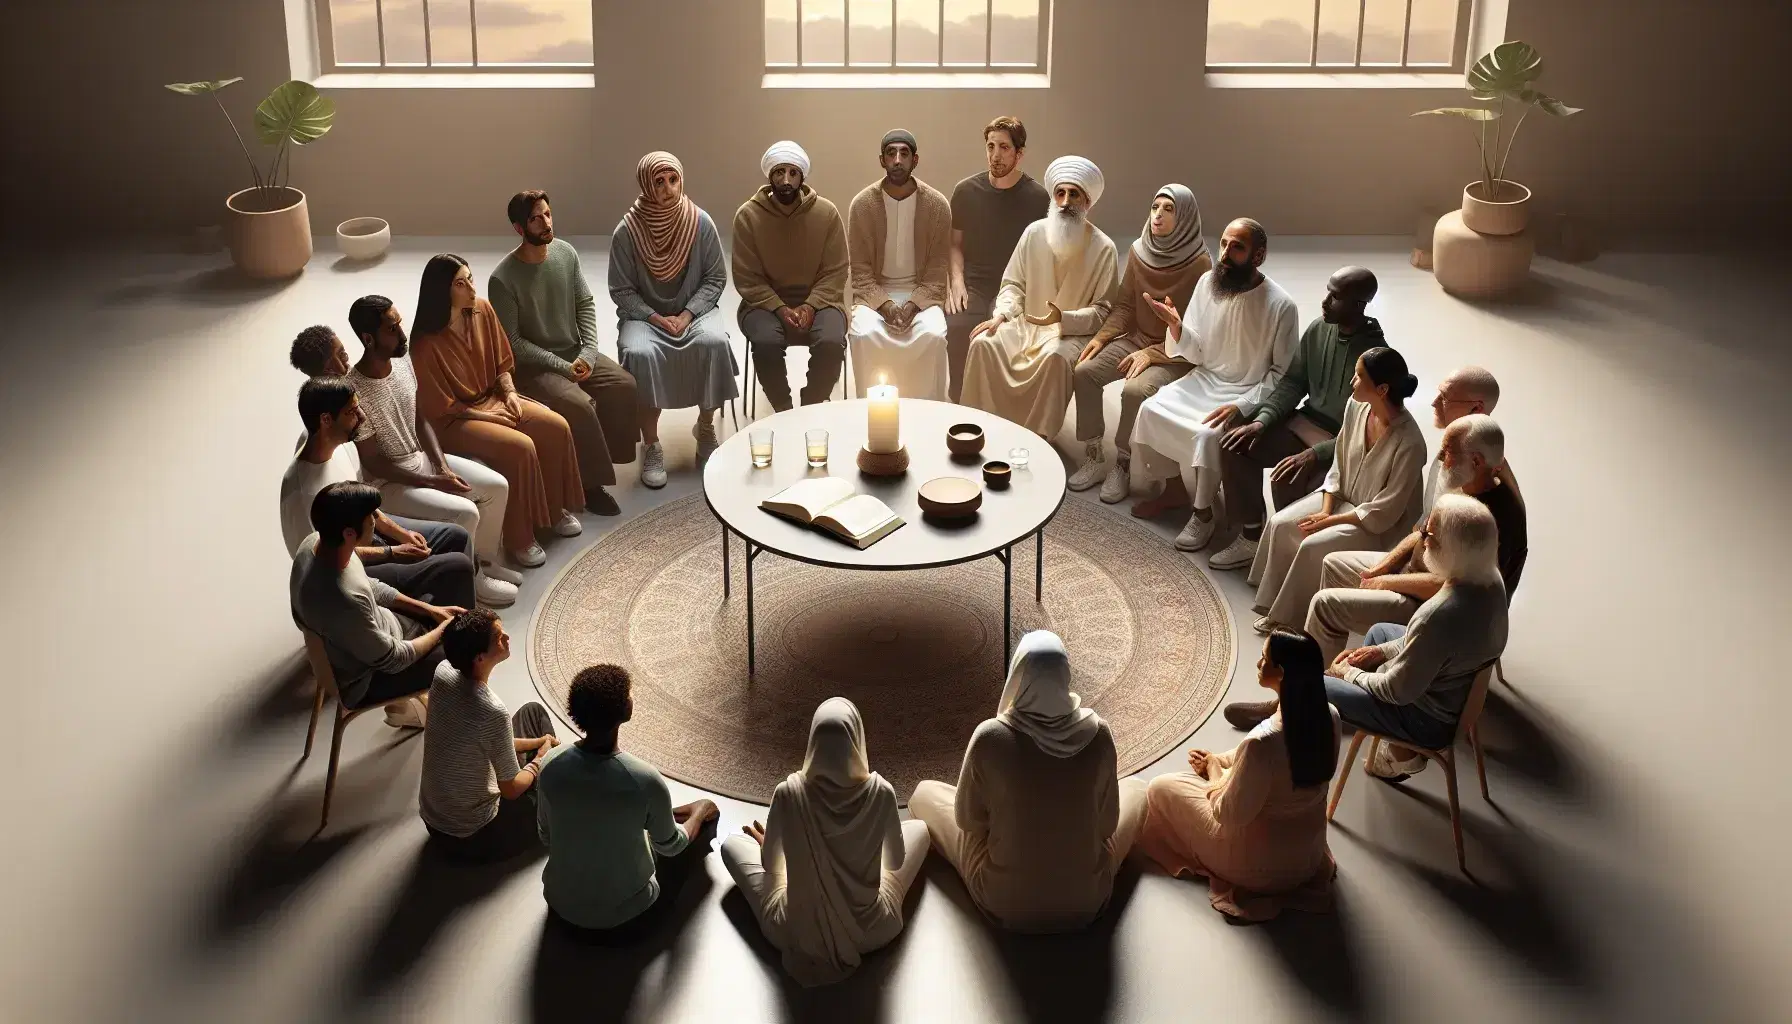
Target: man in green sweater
column 1298, row 442
column 547, row 309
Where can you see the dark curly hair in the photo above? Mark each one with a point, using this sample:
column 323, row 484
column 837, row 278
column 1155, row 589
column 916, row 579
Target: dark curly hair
column 312, row 349
column 468, row 636
column 599, row 699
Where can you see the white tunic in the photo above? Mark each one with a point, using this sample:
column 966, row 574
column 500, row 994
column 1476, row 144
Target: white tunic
column 914, row 360
column 1240, row 346
column 899, row 244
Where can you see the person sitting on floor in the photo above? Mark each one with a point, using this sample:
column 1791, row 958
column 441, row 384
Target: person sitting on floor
column 474, row 797
column 1411, row 682
column 791, row 270
column 318, row 352
column 827, row 873
column 1167, row 259
column 666, row 277
column 1239, row 336
column 410, row 554
column 1370, row 499
column 466, row 390
column 899, row 242
column 376, row 656
column 1252, row 820
column 540, row 296
column 595, row 801
column 1321, row 373
column 1038, row 823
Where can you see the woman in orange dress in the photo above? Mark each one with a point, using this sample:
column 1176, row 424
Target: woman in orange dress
column 1252, row 820
column 464, row 386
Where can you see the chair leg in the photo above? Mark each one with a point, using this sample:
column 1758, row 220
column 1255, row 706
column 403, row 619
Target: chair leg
column 317, row 707
column 330, row 774
column 1474, row 739
column 1449, row 766
column 1343, row 775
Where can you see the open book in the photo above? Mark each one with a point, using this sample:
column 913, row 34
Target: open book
column 829, row 503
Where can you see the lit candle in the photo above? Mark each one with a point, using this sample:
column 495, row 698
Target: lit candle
column 883, row 428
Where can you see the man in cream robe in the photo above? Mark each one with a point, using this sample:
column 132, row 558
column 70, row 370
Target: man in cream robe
column 1056, row 293
column 899, row 240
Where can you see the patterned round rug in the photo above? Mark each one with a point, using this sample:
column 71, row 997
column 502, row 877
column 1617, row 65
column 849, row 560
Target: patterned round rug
column 920, row 652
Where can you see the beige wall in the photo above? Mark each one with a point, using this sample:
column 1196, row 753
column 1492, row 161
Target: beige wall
column 1670, row 133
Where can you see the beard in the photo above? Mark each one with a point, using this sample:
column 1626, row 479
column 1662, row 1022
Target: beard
column 998, row 169
column 1064, row 230
column 1230, row 278
column 403, row 346
column 897, row 176
column 1458, row 476
column 786, row 194
column 533, row 239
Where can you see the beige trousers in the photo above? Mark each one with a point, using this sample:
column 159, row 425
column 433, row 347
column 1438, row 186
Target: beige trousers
column 1343, row 608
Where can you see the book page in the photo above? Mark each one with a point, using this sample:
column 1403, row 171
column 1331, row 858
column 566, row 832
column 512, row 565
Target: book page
column 811, row 497
column 857, row 515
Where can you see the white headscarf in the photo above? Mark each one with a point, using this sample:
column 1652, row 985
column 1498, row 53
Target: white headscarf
column 1077, row 171
column 784, row 152
column 836, row 822
column 1185, row 242
column 1037, row 700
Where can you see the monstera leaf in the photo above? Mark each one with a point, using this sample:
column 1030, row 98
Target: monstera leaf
column 1468, row 113
column 1507, row 71
column 295, row 112
column 199, row 88
column 1548, row 104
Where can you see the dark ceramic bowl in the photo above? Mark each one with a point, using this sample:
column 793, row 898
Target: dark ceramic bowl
column 964, row 438
column 996, row 475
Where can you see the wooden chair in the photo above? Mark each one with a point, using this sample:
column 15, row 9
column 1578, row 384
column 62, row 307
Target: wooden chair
column 325, row 677
column 1446, row 757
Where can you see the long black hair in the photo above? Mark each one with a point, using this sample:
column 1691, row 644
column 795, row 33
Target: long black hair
column 1306, row 717
column 435, row 304
column 1383, row 365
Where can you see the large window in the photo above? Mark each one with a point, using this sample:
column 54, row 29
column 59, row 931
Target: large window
column 906, row 35
column 362, row 36
column 1337, row 35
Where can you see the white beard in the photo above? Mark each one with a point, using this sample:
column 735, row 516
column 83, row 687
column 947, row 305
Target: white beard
column 1065, row 233
column 1458, row 476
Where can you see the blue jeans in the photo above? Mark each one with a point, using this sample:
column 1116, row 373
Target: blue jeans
column 1403, row 722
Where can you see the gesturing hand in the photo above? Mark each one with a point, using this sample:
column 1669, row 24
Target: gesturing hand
column 1165, row 310
column 755, row 832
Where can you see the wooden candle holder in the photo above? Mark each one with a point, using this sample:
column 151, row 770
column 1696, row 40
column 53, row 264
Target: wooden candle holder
column 883, row 463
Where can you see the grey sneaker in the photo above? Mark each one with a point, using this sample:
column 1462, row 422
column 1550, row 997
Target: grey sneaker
column 653, row 465
column 1093, row 470
column 705, row 433
column 1237, row 555
column 1248, row 714
column 1196, row 534
column 1118, row 485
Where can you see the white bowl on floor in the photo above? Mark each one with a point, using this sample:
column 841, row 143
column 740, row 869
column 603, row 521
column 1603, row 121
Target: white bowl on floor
column 364, row 238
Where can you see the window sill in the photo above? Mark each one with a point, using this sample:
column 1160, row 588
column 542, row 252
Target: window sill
column 906, row 80
column 450, row 80
column 1321, row 80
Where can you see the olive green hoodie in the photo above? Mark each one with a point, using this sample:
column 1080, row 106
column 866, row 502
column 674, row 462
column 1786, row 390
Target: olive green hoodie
column 789, row 255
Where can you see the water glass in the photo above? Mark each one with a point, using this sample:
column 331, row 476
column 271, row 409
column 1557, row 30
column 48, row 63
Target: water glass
column 816, row 441
column 760, row 441
column 1017, row 457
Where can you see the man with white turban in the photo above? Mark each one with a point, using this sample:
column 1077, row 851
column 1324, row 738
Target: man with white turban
column 899, row 240
column 1056, row 294
column 790, row 268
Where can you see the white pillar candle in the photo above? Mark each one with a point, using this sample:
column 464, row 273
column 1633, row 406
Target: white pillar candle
column 883, row 428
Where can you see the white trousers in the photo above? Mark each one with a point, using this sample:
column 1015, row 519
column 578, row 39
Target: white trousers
column 914, row 360
column 480, row 513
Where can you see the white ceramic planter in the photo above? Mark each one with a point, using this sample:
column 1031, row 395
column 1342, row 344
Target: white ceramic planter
column 1507, row 213
column 270, row 231
column 364, row 238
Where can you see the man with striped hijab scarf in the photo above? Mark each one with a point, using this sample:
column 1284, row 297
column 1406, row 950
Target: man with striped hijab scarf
column 666, row 276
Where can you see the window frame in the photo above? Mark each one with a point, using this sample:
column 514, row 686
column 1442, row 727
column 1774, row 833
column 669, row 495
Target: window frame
column 894, row 69
column 1459, row 48
column 328, row 66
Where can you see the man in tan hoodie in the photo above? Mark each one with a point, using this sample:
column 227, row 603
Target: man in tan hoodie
column 790, row 268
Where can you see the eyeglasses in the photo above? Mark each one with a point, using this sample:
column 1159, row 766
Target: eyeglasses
column 1426, row 533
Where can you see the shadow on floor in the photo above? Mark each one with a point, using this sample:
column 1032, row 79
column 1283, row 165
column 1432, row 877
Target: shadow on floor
column 1316, row 950
column 220, row 286
column 1517, row 735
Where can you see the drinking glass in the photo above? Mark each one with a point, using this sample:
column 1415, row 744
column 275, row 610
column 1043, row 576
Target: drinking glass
column 1017, row 457
column 760, row 441
column 816, row 441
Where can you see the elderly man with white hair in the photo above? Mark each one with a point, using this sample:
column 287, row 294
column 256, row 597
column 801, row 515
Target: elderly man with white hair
column 790, row 268
column 1411, row 682
column 1056, row 294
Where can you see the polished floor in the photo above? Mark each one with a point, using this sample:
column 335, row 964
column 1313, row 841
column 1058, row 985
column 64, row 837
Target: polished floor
column 160, row 860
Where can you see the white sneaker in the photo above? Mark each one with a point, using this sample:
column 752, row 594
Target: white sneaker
column 1386, row 767
column 705, row 433
column 1197, row 533
column 1237, row 555
column 1263, row 626
column 1118, row 485
column 569, row 525
column 493, row 592
column 653, row 465
column 1093, row 470
column 411, row 714
column 531, row 557
column 502, row 572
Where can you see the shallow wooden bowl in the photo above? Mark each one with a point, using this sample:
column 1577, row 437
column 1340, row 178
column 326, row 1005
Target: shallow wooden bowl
column 964, row 438
column 950, row 497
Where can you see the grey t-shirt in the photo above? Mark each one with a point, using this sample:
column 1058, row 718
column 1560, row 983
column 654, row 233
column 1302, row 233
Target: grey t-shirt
column 468, row 749
column 352, row 612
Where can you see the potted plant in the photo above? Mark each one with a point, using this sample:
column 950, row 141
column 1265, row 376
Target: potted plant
column 270, row 227
column 1494, row 204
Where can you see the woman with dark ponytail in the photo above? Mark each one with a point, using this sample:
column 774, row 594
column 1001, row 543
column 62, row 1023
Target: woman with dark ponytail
column 1252, row 820
column 1369, row 500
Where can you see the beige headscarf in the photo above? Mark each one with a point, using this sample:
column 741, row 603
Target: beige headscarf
column 662, row 233
column 836, row 821
column 1037, row 700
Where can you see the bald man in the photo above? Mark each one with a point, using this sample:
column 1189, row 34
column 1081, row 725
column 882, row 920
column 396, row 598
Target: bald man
column 1302, row 414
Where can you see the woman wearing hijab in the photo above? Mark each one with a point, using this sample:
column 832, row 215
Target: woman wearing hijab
column 1169, row 256
column 1038, row 824
column 1252, row 820
column 827, row 873
column 666, row 276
